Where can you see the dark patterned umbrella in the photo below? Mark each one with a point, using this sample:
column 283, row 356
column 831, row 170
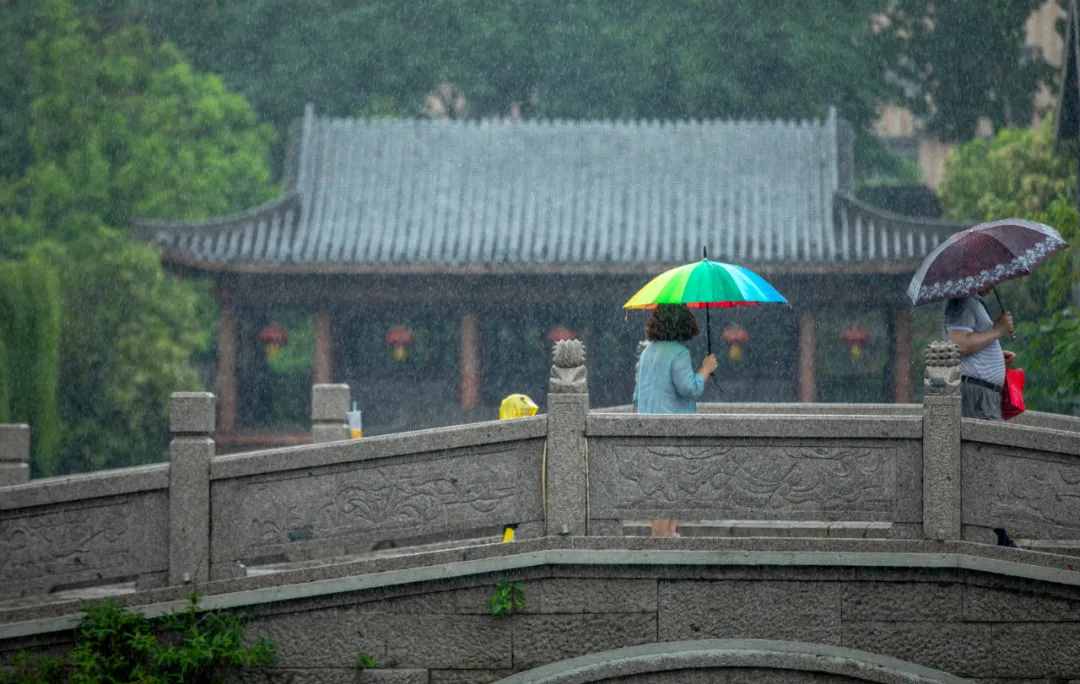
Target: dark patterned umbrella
column 982, row 256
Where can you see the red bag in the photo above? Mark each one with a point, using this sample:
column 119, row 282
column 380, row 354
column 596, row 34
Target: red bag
column 1012, row 396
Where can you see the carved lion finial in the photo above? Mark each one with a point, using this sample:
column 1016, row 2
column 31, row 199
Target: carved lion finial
column 942, row 368
column 568, row 353
column 568, row 367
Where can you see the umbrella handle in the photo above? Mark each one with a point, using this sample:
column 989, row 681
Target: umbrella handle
column 1001, row 305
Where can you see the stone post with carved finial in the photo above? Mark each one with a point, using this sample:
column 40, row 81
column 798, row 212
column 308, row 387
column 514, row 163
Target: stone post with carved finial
column 565, row 471
column 941, row 442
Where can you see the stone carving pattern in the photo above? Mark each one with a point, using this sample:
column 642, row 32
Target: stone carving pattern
column 942, row 374
column 392, row 498
column 568, row 373
column 752, row 480
column 1034, row 491
column 66, row 542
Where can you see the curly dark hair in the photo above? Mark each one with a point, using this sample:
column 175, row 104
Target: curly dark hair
column 671, row 322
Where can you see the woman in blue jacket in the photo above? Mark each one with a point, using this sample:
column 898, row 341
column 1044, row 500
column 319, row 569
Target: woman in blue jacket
column 666, row 381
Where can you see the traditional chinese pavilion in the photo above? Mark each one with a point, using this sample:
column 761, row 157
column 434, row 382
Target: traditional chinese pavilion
column 431, row 265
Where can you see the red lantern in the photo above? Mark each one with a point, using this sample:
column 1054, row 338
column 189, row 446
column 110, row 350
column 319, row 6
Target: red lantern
column 273, row 337
column 736, row 336
column 399, row 338
column 856, row 337
column 560, row 333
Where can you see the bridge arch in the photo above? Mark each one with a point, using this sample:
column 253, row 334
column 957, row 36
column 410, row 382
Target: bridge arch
column 732, row 660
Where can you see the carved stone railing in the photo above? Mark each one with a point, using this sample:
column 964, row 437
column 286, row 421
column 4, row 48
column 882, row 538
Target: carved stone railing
column 1024, row 480
column 104, row 527
column 354, row 496
column 735, row 471
column 203, row 517
column 900, row 471
column 865, row 232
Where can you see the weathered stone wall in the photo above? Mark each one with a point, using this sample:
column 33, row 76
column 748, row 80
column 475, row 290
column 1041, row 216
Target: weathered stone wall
column 84, row 529
column 963, row 622
column 966, row 609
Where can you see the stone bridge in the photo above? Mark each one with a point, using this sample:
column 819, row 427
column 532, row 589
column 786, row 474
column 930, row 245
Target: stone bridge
column 818, row 543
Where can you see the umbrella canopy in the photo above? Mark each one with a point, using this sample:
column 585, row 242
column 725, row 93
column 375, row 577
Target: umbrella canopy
column 706, row 285
column 982, row 256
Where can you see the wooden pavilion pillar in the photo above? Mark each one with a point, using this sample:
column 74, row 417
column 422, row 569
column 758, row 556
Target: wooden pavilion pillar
column 807, row 345
column 322, row 357
column 470, row 362
column 225, row 376
column 902, row 355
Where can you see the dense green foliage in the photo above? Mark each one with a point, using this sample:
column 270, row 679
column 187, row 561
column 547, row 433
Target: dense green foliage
column 129, row 333
column 1018, row 173
column 955, row 62
column 114, row 644
column 620, row 58
column 614, row 59
column 121, row 127
column 30, row 308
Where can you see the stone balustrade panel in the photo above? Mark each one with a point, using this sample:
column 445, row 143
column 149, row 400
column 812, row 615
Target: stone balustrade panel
column 354, row 496
column 1023, row 479
column 98, row 528
column 755, row 467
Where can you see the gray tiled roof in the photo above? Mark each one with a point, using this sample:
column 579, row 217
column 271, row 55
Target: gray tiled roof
column 390, row 192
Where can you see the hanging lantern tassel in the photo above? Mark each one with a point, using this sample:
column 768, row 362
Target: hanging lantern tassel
column 736, row 337
column 399, row 338
column 856, row 337
column 273, row 338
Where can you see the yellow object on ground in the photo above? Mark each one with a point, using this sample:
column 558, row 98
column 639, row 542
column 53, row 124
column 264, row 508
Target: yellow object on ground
column 517, row 406
column 508, row 535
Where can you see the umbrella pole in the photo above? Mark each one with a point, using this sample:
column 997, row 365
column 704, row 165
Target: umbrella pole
column 708, row 328
column 708, row 332
column 1001, row 305
column 998, row 298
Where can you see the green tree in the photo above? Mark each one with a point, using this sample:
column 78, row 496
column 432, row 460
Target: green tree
column 1019, row 173
column 554, row 59
column 956, row 61
column 122, row 127
column 128, row 337
column 30, row 308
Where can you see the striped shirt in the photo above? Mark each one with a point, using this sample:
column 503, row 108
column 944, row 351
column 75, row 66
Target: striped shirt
column 971, row 315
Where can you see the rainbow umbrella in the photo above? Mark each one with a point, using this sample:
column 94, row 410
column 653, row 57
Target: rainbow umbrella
column 706, row 285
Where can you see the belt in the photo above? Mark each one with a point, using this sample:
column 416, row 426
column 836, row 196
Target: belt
column 981, row 383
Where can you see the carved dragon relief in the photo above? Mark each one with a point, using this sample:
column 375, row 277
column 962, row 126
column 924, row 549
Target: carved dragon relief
column 753, row 480
column 389, row 498
column 65, row 542
column 1034, row 490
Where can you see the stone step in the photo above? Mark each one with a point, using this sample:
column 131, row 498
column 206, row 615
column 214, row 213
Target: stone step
column 771, row 528
column 1062, row 547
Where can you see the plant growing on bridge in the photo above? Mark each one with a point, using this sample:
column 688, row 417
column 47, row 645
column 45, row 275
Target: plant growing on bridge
column 508, row 597
column 115, row 644
column 365, row 662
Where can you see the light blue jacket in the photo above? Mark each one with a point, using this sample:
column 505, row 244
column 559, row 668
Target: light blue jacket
column 666, row 381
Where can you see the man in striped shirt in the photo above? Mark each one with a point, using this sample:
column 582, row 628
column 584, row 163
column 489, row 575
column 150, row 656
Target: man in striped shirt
column 982, row 360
